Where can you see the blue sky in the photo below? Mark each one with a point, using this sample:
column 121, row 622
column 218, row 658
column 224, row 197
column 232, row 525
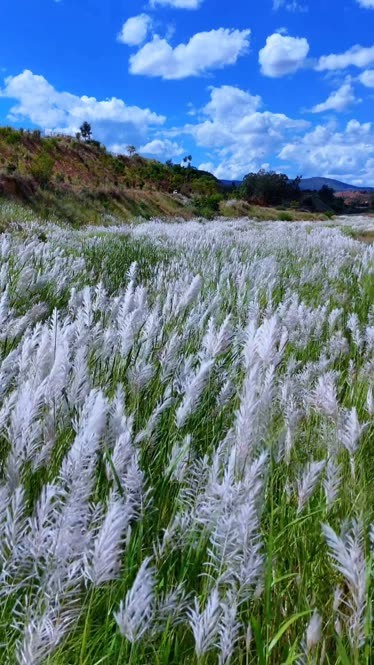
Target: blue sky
column 281, row 84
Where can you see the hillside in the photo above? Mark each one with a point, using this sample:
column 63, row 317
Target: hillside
column 316, row 183
column 81, row 181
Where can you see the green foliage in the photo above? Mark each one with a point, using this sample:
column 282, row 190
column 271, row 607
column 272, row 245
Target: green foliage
column 50, row 144
column 118, row 165
column 327, row 195
column 208, row 206
column 270, row 188
column 97, row 144
column 10, row 135
column 86, row 131
column 42, row 168
column 285, row 217
column 13, row 138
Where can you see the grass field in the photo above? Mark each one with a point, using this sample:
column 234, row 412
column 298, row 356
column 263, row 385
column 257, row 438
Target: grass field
column 186, row 444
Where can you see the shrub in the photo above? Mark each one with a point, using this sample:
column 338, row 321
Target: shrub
column 118, row 166
column 95, row 143
column 208, row 206
column 9, row 134
column 13, row 138
column 285, row 217
column 42, row 168
column 50, row 144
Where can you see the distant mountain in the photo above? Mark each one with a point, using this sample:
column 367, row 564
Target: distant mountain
column 336, row 185
column 230, row 183
column 313, row 184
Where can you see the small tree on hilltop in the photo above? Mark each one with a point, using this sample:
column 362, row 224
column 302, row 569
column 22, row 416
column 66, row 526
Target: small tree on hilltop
column 86, row 131
column 131, row 150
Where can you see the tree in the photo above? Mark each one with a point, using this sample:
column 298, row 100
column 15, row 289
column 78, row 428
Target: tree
column 187, row 160
column 86, row 131
column 131, row 150
column 270, row 188
column 327, row 194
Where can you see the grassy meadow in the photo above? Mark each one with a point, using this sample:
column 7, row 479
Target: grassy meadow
column 186, row 443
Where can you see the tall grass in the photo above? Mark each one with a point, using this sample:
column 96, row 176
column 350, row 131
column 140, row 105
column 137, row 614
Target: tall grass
column 186, row 460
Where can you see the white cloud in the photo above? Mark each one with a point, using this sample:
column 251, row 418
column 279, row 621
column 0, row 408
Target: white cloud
column 368, row 4
column 283, row 55
column 179, row 4
column 238, row 135
column 339, row 100
column 348, row 154
column 367, row 78
column 229, row 103
column 162, row 148
column 289, row 5
column 135, row 30
column 203, row 52
column 39, row 102
column 357, row 56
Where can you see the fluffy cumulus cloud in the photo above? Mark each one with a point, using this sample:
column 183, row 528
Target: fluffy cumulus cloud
column 162, row 148
column 367, row 78
column 204, row 51
column 135, row 30
column 347, row 154
column 238, row 135
column 339, row 100
column 283, row 55
column 39, row 102
column 357, row 56
column 178, row 4
column 368, row 4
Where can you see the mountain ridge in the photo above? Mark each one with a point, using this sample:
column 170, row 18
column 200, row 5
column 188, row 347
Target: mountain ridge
column 314, row 183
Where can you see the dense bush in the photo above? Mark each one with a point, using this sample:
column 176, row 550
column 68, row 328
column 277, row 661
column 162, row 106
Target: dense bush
column 208, row 206
column 270, row 188
column 10, row 135
column 42, row 168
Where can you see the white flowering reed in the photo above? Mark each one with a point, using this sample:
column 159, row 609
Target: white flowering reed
column 188, row 404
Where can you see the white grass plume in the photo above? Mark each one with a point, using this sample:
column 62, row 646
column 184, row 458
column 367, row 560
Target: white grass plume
column 307, row 483
column 190, row 295
column 205, row 623
column 229, row 627
column 332, row 481
column 349, row 560
column 104, row 560
column 193, row 392
column 134, row 616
